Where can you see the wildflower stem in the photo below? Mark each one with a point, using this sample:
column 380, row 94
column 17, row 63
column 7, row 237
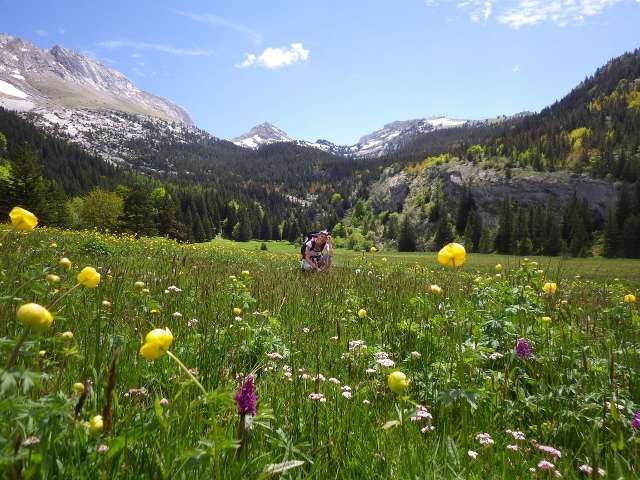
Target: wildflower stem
column 62, row 296
column 14, row 354
column 182, row 365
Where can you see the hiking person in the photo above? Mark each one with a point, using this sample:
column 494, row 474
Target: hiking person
column 316, row 252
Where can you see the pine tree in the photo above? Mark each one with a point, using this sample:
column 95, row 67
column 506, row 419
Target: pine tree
column 265, row 228
column 138, row 215
column 275, row 232
column 444, row 232
column 407, row 236
column 611, row 236
column 464, row 207
column 169, row 225
column 503, row 241
column 630, row 237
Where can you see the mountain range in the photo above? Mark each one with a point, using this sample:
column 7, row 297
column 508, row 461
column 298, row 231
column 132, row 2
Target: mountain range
column 97, row 107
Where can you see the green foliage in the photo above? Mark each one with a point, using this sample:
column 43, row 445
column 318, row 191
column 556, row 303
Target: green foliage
column 101, row 210
column 466, row 373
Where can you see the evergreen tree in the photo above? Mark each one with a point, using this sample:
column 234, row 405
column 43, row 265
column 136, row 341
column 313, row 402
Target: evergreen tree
column 407, row 236
column 464, row 207
column 444, row 232
column 630, row 237
column 265, row 228
column 169, row 225
column 275, row 232
column 503, row 241
column 137, row 216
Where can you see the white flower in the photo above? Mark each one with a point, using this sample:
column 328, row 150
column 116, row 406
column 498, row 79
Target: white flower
column 366, row 402
column 415, row 355
column 386, row 362
column 513, row 448
column 496, row 356
column 176, row 315
column 484, row 439
column 346, row 394
column 370, row 371
column 317, row 397
column 334, row 381
column 472, row 454
column 274, row 356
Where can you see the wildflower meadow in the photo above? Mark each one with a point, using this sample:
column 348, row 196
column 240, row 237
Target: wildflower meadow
column 125, row 357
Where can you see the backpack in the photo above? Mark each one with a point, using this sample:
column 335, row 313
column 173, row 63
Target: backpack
column 305, row 238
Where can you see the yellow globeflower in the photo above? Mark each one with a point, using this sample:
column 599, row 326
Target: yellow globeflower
column 434, row 289
column 78, row 387
column 156, row 343
column 398, row 382
column 139, row 284
column 65, row 263
column 362, row 313
column 34, row 316
column 51, row 278
column 42, row 353
column 245, row 273
column 629, row 298
column 96, row 424
column 550, row 288
column 23, row 220
column 89, row 277
column 237, row 311
column 452, row 255
column 498, row 267
column 546, row 321
column 67, row 335
column 373, row 249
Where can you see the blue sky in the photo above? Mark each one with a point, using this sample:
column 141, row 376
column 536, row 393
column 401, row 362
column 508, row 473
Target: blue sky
column 338, row 69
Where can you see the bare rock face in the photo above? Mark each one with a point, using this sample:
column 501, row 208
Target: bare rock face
column 59, row 78
column 398, row 190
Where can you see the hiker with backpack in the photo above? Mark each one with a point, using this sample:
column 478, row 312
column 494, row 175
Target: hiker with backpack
column 316, row 252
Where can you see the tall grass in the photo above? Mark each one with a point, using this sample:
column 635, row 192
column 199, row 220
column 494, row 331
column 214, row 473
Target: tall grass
column 577, row 393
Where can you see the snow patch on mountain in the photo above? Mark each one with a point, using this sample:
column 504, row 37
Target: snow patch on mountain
column 383, row 141
column 8, row 89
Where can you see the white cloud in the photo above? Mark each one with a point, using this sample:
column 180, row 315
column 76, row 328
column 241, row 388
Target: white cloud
column 153, row 46
column 522, row 13
column 42, row 33
column 516, row 68
column 216, row 21
column 276, row 57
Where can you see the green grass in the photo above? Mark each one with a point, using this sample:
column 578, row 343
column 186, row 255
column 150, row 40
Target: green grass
column 593, row 268
column 466, row 375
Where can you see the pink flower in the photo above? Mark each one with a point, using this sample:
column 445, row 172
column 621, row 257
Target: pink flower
column 484, row 439
column 545, row 465
column 550, row 450
column 513, row 448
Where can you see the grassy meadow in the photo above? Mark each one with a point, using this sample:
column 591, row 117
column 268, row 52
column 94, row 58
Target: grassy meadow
column 320, row 349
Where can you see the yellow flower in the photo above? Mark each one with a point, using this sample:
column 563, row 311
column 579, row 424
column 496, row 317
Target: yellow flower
column 452, row 255
column 65, row 263
column 245, row 273
column 106, row 303
column 139, row 284
column 42, row 353
column 384, row 259
column 550, row 288
column 156, row 343
column 78, row 387
column 434, row 289
column 373, row 249
column 629, row 298
column 89, row 277
column 398, row 382
column 51, row 278
column 34, row 316
column 498, row 268
column 362, row 313
column 96, row 424
column 546, row 321
column 67, row 335
column 237, row 311
column 23, row 220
